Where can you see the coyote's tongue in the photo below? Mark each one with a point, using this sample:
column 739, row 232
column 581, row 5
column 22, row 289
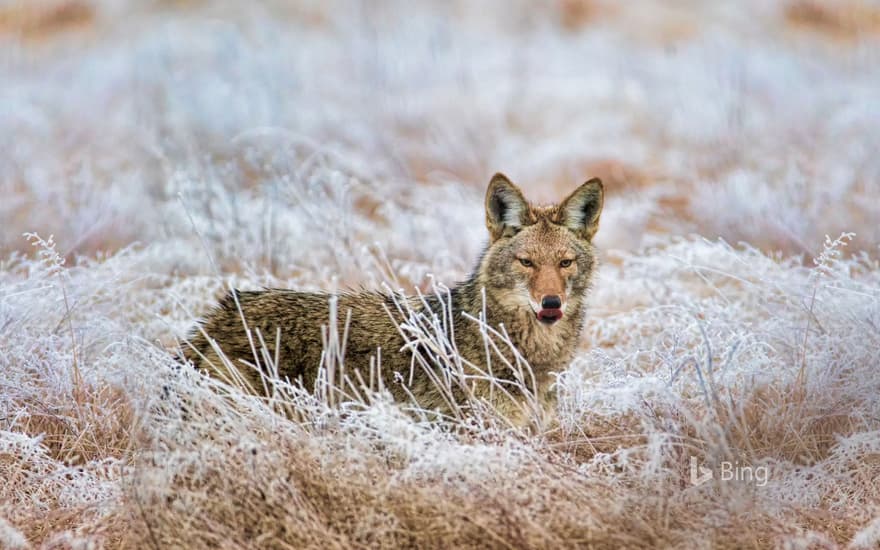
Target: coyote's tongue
column 549, row 316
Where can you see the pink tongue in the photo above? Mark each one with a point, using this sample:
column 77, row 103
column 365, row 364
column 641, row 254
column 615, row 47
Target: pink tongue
column 548, row 314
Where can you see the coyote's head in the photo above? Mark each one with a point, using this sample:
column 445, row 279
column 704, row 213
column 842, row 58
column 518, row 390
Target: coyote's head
column 540, row 258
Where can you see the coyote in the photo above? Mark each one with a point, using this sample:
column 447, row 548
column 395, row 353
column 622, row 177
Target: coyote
column 529, row 283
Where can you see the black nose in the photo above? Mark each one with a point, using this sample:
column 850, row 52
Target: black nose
column 551, row 302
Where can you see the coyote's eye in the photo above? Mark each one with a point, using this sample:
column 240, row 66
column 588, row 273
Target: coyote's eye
column 565, row 263
column 526, row 262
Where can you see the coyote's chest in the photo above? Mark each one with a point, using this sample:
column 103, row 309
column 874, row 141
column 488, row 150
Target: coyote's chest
column 546, row 348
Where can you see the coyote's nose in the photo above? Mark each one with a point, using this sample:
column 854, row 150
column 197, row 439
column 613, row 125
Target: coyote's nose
column 551, row 309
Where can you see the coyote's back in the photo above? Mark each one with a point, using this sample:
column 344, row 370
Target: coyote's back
column 245, row 323
column 529, row 283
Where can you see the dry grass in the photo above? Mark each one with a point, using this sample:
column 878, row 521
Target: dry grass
column 190, row 146
column 846, row 20
column 40, row 20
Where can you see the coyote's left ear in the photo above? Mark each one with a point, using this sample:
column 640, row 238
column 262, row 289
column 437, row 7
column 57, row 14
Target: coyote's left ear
column 506, row 208
column 580, row 211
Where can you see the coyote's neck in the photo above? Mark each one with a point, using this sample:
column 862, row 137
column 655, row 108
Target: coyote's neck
column 544, row 347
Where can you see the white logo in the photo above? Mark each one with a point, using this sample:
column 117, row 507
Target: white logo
column 699, row 474
column 729, row 471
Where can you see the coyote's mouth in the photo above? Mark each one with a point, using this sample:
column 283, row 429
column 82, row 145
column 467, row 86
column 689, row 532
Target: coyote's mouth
column 549, row 316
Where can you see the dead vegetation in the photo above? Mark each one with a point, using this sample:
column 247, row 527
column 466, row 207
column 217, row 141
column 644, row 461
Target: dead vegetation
column 843, row 20
column 40, row 20
column 177, row 156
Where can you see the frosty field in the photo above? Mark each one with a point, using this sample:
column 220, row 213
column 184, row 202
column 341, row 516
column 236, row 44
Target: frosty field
column 154, row 154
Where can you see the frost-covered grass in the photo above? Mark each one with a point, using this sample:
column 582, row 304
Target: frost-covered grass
column 174, row 149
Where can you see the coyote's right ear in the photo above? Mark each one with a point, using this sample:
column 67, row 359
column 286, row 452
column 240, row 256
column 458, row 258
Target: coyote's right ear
column 581, row 210
column 506, row 208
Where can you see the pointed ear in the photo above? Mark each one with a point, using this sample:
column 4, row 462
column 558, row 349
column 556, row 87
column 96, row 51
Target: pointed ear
column 506, row 208
column 580, row 211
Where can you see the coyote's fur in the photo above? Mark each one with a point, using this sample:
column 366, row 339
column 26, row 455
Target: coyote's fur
column 531, row 280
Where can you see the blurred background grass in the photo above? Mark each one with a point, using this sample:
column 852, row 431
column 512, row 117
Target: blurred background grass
column 753, row 122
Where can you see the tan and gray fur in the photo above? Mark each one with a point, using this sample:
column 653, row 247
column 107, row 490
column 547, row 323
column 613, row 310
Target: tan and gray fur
column 533, row 252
